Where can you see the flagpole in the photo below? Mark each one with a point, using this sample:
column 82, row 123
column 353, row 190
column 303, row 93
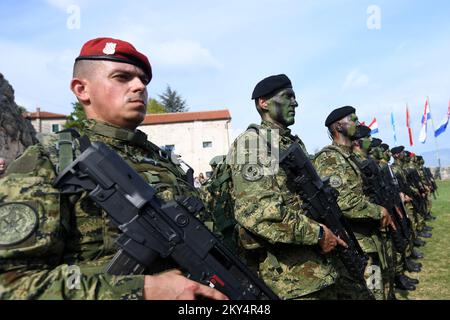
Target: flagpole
column 435, row 141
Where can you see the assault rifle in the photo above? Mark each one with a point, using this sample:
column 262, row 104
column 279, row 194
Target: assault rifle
column 430, row 180
column 320, row 202
column 152, row 228
column 379, row 187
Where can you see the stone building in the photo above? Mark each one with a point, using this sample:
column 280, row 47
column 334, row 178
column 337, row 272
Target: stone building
column 196, row 136
column 46, row 122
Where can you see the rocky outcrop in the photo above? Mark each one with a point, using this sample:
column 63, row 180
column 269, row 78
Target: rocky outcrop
column 16, row 133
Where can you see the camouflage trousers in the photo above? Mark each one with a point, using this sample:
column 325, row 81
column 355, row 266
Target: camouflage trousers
column 417, row 218
column 393, row 266
column 349, row 288
column 374, row 277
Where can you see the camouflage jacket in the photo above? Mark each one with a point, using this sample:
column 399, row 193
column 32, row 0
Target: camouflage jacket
column 410, row 165
column 64, row 241
column 335, row 162
column 280, row 242
column 400, row 172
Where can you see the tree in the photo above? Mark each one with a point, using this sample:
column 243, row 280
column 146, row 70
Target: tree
column 153, row 106
column 172, row 101
column 76, row 117
column 22, row 109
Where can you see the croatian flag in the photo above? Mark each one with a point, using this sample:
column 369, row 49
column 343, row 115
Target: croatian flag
column 426, row 116
column 444, row 123
column 373, row 126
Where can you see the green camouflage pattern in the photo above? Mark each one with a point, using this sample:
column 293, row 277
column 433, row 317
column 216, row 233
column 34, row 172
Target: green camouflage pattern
column 66, row 255
column 278, row 240
column 414, row 216
column 334, row 162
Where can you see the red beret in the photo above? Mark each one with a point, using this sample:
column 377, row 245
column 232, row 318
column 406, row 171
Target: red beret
column 115, row 50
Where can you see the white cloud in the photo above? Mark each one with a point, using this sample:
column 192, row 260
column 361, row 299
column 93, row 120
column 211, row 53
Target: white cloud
column 183, row 53
column 61, row 4
column 40, row 77
column 355, row 79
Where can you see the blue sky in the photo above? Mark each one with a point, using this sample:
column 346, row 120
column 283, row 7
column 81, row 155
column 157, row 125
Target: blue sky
column 214, row 52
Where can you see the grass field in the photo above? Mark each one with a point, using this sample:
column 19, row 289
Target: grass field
column 435, row 275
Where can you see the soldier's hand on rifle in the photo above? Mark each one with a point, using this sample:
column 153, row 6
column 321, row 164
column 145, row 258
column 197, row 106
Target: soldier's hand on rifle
column 329, row 240
column 386, row 220
column 399, row 212
column 405, row 198
column 172, row 285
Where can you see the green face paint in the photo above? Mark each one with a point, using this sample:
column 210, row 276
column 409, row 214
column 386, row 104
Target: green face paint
column 282, row 106
column 365, row 144
column 352, row 125
column 351, row 130
column 376, row 153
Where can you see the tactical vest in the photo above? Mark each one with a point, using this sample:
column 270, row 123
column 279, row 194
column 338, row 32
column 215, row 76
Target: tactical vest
column 221, row 202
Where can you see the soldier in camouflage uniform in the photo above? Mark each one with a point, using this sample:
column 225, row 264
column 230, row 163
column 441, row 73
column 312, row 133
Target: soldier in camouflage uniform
column 409, row 192
column 403, row 260
column 365, row 217
column 362, row 145
column 55, row 246
column 417, row 161
column 420, row 194
column 277, row 239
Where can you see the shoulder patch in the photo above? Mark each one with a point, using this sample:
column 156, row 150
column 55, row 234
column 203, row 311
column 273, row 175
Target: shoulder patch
column 252, row 172
column 18, row 221
column 335, row 181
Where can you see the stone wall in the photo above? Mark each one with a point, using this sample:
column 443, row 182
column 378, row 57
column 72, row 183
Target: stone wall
column 445, row 173
column 16, row 133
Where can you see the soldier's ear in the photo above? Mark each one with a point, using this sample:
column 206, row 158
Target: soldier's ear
column 262, row 103
column 80, row 90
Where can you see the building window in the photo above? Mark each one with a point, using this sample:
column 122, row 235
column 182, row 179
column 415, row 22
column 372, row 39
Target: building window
column 169, row 147
column 55, row 127
column 207, row 144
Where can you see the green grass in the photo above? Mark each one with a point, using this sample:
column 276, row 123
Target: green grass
column 435, row 275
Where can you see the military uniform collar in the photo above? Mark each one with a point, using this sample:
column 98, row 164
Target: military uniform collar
column 136, row 137
column 344, row 148
column 283, row 131
column 360, row 154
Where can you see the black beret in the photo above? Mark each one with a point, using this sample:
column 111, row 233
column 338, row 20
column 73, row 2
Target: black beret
column 338, row 114
column 375, row 142
column 419, row 157
column 271, row 84
column 397, row 150
column 384, row 146
column 362, row 132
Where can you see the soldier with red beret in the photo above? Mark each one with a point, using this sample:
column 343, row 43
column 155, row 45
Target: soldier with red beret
column 55, row 246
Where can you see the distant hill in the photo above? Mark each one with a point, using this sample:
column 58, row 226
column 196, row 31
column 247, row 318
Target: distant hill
column 431, row 161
